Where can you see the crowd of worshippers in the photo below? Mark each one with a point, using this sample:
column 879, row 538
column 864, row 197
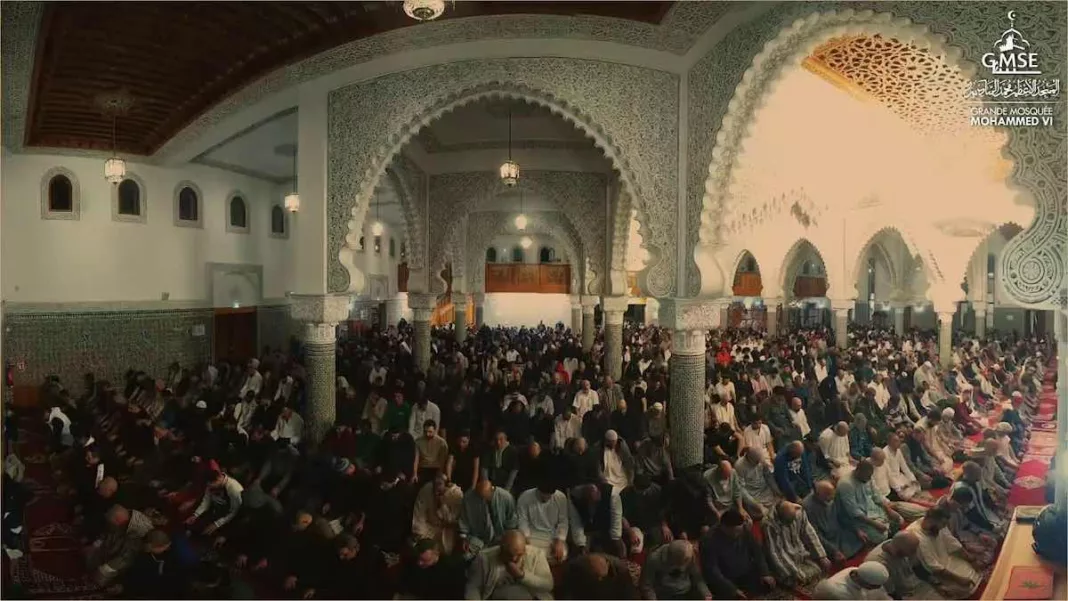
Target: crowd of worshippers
column 513, row 468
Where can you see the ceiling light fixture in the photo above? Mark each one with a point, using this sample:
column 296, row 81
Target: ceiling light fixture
column 526, row 242
column 114, row 168
column 424, row 10
column 292, row 200
column 377, row 228
column 521, row 219
column 510, row 168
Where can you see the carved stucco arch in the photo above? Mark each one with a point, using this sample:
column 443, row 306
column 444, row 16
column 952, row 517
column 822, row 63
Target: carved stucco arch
column 789, row 266
column 898, row 273
column 959, row 34
column 488, row 225
column 371, row 121
column 409, row 183
column 454, row 195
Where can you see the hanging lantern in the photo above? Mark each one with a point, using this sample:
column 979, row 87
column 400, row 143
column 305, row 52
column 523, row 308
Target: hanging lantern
column 115, row 170
column 521, row 222
column 377, row 228
column 424, row 10
column 526, row 242
column 292, row 202
column 510, row 173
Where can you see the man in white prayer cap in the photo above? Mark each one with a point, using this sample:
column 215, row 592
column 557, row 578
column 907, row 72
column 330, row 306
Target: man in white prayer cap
column 863, row 582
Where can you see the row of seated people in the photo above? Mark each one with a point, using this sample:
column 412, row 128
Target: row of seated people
column 251, row 496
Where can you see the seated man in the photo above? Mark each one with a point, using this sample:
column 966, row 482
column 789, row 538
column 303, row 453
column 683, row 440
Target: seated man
column 486, row 513
column 860, row 438
column 903, row 481
column 993, row 478
column 596, row 519
column 725, row 492
column 300, row 555
column 543, row 518
column 980, row 545
column 671, row 572
column 221, row 501
column 863, row 509
column 898, row 556
column 109, row 557
column 983, row 512
column 863, row 582
column 793, row 472
column 513, row 570
column 754, row 474
column 436, row 512
column 644, row 511
column 158, row 572
column 427, row 573
column 881, row 482
column 834, row 443
column 732, row 561
column 796, row 553
column 352, row 573
column 839, row 541
column 598, row 576
column 941, row 555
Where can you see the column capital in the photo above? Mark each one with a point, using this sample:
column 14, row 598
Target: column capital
column 689, row 342
column 479, row 298
column 319, row 333
column 320, row 308
column 843, row 304
column 946, row 317
column 614, row 304
column 576, row 301
column 422, row 305
column 688, row 314
column 459, row 299
column 589, row 301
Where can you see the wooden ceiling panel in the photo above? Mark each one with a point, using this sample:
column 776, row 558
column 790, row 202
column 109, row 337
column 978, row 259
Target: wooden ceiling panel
column 178, row 59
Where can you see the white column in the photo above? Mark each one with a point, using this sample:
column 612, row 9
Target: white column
column 980, row 321
column 308, row 275
column 722, row 314
column 945, row 338
column 479, row 298
column 319, row 315
column 395, row 309
column 576, row 315
column 772, row 306
column 589, row 330
column 898, row 309
column 614, row 308
column 459, row 320
column 841, row 308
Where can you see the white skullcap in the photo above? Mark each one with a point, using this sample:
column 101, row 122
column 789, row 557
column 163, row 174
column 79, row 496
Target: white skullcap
column 201, row 405
column 254, row 363
column 658, row 406
column 611, row 436
column 948, row 413
column 927, row 364
column 1017, row 394
column 1004, row 427
column 873, row 573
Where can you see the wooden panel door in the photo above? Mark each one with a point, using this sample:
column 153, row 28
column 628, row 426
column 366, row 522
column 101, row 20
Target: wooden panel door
column 235, row 334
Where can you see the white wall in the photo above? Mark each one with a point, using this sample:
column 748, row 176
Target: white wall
column 505, row 244
column 379, row 264
column 526, row 309
column 98, row 259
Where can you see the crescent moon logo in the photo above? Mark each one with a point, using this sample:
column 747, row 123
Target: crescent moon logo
column 1012, row 15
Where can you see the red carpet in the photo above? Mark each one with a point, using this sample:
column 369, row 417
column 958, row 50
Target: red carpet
column 52, row 566
column 1029, row 488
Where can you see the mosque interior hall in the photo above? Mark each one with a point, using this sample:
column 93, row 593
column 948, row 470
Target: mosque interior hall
column 450, row 299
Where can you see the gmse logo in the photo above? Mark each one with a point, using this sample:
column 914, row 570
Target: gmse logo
column 1012, row 54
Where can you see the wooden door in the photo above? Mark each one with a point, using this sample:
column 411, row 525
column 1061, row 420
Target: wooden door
column 235, row 334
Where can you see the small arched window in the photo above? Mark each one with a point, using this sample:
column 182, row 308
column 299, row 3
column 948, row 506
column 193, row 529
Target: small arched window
column 392, row 248
column 128, row 201
column 278, row 221
column 546, row 255
column 491, row 255
column 187, row 205
column 238, row 214
column 991, row 265
column 404, row 251
column 378, row 245
column 362, row 244
column 517, row 254
column 59, row 195
column 749, row 265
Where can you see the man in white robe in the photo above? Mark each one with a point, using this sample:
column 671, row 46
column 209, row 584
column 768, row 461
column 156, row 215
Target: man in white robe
column 881, row 481
column 902, row 479
column 898, row 556
column 941, row 555
column 834, row 442
column 798, row 417
column 723, row 412
column 882, row 395
column 585, row 399
column 863, row 582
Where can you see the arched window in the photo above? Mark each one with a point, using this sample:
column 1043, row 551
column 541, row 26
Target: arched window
column 278, row 221
column 238, row 214
column 517, row 254
column 187, row 205
column 491, row 255
column 392, row 248
column 749, row 265
column 378, row 245
column 128, row 200
column 362, row 244
column 871, row 278
column 404, row 251
column 59, row 195
column 546, row 255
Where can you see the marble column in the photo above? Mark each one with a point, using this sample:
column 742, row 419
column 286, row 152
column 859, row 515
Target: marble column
column 319, row 316
column 980, row 322
column 422, row 306
column 614, row 308
column 589, row 331
column 689, row 321
column 841, row 308
column 395, row 309
column 576, row 314
column 945, row 338
column 1060, row 326
column 459, row 318
column 772, row 306
column 479, row 298
column 899, row 317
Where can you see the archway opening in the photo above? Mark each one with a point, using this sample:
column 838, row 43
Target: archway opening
column 805, row 284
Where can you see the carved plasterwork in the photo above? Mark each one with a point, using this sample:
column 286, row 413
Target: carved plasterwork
column 410, row 183
column 628, row 112
column 320, row 308
column 580, row 196
column 483, row 226
column 21, row 21
column 729, row 84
